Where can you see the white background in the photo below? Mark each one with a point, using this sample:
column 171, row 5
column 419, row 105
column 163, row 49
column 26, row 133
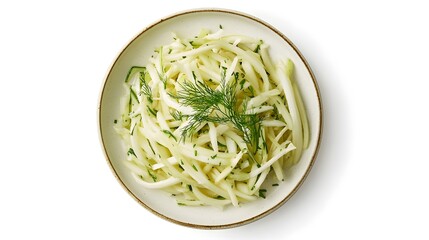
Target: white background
column 370, row 180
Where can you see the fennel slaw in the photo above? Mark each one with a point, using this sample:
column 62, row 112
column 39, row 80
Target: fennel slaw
column 209, row 117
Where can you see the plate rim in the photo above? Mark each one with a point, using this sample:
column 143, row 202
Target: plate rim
column 224, row 11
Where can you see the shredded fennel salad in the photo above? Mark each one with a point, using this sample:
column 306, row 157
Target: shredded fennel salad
column 208, row 118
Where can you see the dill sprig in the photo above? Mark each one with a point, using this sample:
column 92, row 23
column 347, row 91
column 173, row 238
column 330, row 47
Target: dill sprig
column 145, row 89
column 218, row 106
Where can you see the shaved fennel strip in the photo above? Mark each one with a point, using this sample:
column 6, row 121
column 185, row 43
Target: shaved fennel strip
column 161, row 184
column 284, row 77
column 289, row 148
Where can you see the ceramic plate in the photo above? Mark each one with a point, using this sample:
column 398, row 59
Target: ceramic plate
column 188, row 24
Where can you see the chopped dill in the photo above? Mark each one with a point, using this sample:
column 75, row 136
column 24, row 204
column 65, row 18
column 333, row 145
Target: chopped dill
column 195, row 168
column 132, row 129
column 219, row 197
column 145, row 89
column 150, row 145
column 262, row 193
column 258, row 46
column 242, row 83
column 153, row 176
column 152, row 111
column 170, row 134
column 131, row 152
column 220, row 144
column 134, row 94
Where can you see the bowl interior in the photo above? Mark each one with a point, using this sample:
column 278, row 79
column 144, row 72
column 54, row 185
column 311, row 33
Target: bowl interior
column 188, row 24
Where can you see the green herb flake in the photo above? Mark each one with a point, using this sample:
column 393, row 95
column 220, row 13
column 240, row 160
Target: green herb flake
column 152, row 111
column 242, row 83
column 195, row 168
column 258, row 47
column 235, row 76
column 153, row 176
column 264, row 144
column 150, row 145
column 170, row 134
column 132, row 130
column 134, row 95
column 257, row 177
column 131, row 152
column 252, row 91
column 275, row 185
column 220, row 144
column 262, row 193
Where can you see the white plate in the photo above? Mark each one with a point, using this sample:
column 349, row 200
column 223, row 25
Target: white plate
column 188, row 24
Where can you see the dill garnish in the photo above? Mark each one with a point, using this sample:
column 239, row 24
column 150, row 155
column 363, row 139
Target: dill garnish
column 176, row 115
column 145, row 89
column 218, row 106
